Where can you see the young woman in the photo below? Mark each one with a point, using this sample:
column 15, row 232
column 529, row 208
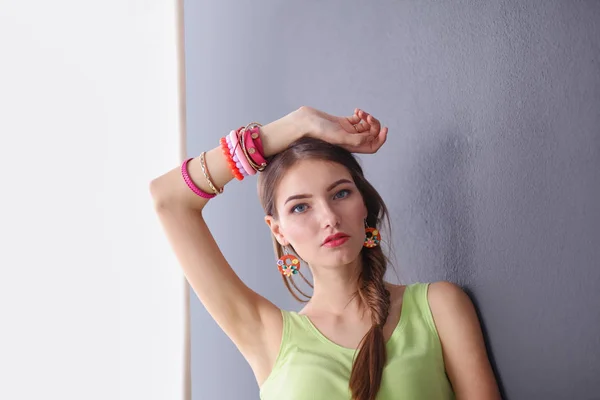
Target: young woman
column 358, row 337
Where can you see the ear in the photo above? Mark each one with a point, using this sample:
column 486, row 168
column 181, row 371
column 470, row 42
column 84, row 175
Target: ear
column 276, row 230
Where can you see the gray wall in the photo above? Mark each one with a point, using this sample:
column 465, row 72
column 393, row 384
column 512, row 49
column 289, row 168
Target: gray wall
column 491, row 170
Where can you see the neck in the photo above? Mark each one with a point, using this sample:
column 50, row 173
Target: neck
column 335, row 289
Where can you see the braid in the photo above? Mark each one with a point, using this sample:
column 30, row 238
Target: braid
column 365, row 379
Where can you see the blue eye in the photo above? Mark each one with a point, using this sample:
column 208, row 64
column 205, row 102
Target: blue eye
column 296, row 207
column 343, row 191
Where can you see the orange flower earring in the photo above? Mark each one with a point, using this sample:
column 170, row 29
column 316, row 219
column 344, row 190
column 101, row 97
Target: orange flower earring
column 288, row 264
column 372, row 236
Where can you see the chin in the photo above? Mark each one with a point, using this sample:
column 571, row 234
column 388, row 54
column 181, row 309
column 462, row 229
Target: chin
column 341, row 256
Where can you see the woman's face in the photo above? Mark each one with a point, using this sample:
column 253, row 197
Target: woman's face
column 316, row 199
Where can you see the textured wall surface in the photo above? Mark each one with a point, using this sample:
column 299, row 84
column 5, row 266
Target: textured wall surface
column 491, row 170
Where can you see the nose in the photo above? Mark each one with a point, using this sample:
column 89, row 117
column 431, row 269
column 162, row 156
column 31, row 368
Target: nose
column 329, row 217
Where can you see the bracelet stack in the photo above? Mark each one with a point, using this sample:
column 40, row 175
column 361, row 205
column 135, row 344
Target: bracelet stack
column 244, row 153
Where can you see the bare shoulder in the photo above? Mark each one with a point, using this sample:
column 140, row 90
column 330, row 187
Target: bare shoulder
column 463, row 347
column 452, row 309
column 440, row 293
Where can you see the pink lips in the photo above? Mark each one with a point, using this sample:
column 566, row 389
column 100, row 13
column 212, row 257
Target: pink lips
column 335, row 240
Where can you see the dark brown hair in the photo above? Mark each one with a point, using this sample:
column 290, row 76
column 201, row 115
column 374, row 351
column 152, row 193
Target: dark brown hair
column 367, row 370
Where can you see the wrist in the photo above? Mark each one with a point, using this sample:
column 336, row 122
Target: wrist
column 278, row 135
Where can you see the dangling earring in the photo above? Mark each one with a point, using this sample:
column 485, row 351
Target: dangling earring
column 372, row 236
column 288, row 264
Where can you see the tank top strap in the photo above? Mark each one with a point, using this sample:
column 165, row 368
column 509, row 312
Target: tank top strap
column 419, row 304
column 293, row 324
column 293, row 331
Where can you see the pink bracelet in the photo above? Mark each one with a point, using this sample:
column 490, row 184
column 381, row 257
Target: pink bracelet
column 237, row 162
column 240, row 153
column 232, row 136
column 191, row 185
column 258, row 142
column 250, row 135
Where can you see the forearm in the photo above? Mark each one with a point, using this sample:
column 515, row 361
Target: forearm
column 171, row 190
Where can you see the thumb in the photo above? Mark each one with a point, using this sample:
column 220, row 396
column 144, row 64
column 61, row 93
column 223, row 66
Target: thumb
column 359, row 139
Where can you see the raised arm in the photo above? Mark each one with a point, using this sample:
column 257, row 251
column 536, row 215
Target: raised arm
column 246, row 317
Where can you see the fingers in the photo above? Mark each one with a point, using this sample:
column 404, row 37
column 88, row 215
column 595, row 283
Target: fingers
column 372, row 135
column 354, row 120
column 359, row 121
column 372, row 123
column 363, row 125
column 364, row 122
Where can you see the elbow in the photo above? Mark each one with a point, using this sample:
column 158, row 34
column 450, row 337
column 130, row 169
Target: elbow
column 168, row 194
column 158, row 194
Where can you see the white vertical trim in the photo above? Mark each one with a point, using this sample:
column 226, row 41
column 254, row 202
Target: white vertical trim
column 180, row 26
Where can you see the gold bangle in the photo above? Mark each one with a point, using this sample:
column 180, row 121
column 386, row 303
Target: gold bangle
column 252, row 124
column 207, row 175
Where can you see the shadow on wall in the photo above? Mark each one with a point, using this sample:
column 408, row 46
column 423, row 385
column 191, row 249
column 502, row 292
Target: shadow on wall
column 447, row 198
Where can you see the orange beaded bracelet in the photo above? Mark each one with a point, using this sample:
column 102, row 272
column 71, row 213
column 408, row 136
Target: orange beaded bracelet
column 225, row 149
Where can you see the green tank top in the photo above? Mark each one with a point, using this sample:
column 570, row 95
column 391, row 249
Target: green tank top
column 311, row 367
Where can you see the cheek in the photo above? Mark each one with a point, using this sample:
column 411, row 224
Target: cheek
column 300, row 229
column 357, row 212
column 302, row 236
column 358, row 206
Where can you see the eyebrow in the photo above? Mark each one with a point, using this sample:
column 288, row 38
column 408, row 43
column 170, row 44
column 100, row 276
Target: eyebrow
column 304, row 196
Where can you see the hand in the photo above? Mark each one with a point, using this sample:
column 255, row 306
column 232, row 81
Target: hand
column 359, row 133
